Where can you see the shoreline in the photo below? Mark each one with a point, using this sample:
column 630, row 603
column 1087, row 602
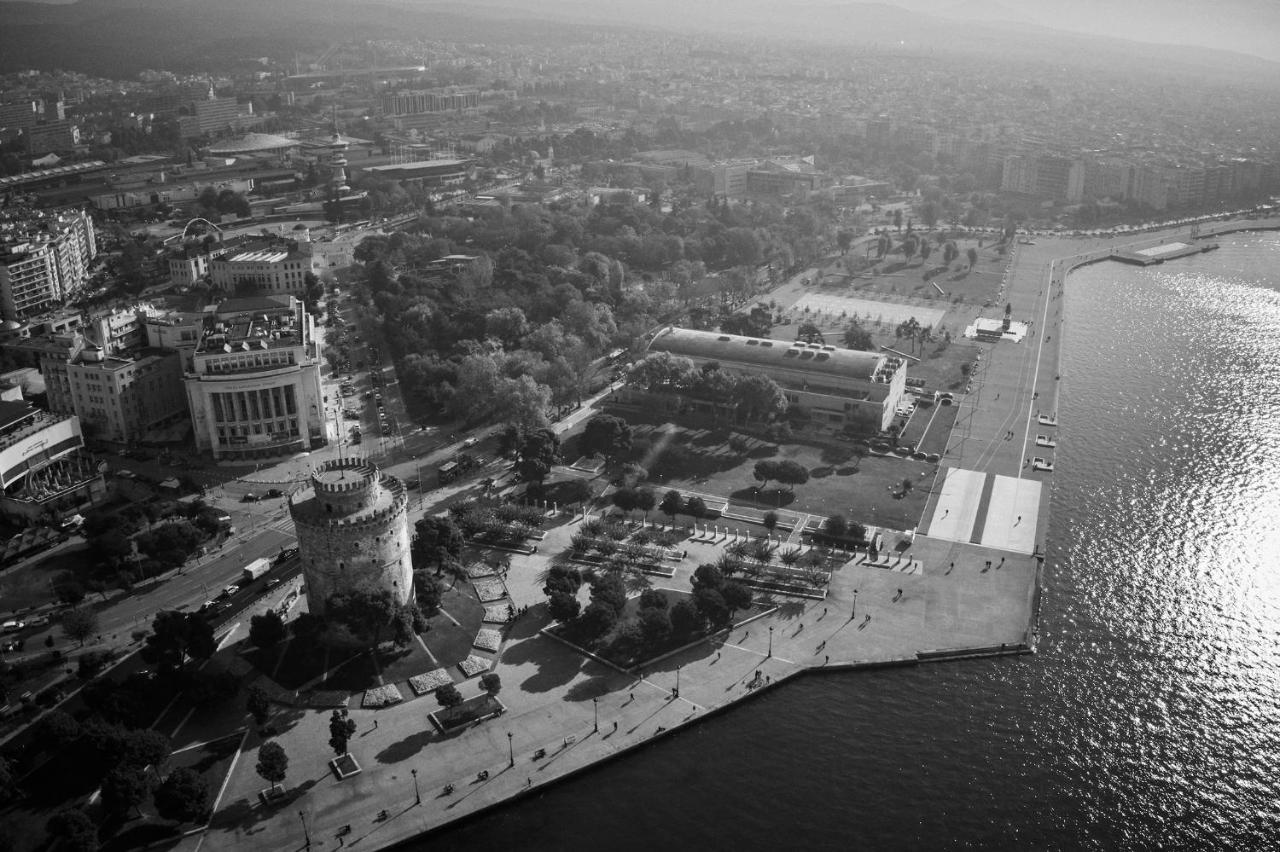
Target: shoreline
column 909, row 625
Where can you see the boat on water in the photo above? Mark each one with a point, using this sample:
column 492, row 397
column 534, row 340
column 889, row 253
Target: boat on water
column 1047, row 420
column 1038, row 463
column 1045, row 441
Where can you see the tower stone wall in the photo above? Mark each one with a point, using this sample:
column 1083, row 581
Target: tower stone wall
column 353, row 532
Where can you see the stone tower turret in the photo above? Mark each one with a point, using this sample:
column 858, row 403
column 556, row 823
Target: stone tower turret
column 353, row 532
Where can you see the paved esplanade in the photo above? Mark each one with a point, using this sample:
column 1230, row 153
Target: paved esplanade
column 946, row 600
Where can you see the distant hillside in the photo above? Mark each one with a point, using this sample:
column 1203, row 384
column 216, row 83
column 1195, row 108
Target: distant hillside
column 118, row 38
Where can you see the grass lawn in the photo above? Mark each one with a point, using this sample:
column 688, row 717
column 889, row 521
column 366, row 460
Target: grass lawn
column 28, row 586
column 450, row 642
column 838, row 482
column 615, row 647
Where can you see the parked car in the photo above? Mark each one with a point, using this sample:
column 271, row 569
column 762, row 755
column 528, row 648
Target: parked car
column 250, row 497
column 12, row 626
column 228, row 591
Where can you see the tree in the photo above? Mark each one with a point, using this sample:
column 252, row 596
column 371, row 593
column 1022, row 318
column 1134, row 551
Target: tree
column 183, row 796
column 266, row 630
column 273, row 763
column 624, row 499
column 758, row 397
column 341, row 729
column 810, row 333
column 711, row 606
column 897, row 218
column 835, row 526
column 74, row 828
column 175, row 638
column 562, row 578
column 844, row 239
column 79, row 624
column 448, row 696
column 491, row 683
column 770, row 521
column 736, row 596
column 576, row 491
column 257, row 703
column 124, row 788
column 57, row 728
column 436, row 538
column 69, row 590
column 606, row 435
column 764, row 471
column 972, row 254
column 653, row 599
column 739, row 444
column 672, row 504
column 645, row 501
column 696, row 508
column 539, row 451
column 608, row 589
column 563, row 607
column 8, row 787
column 596, row 620
column 685, row 618
column 144, row 748
column 427, row 591
column 791, row 473
column 655, row 626
column 366, row 613
column 857, row 337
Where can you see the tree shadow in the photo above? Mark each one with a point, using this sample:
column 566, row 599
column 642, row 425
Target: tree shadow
column 763, row 451
column 406, row 748
column 849, row 470
column 769, row 498
column 245, row 813
column 821, row 472
column 557, row 664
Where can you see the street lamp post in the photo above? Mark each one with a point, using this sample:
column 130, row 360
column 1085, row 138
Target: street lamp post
column 595, row 707
column 677, row 681
column 511, row 752
column 770, row 641
column 417, row 794
column 854, row 613
column 302, row 816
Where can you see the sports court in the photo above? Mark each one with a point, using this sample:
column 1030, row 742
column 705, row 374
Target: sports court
column 987, row 509
column 866, row 310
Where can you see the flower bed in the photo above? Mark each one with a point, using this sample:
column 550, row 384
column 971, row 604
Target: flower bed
column 430, row 682
column 476, row 570
column 488, row 640
column 344, row 767
column 382, row 696
column 497, row 613
column 474, row 665
column 490, row 590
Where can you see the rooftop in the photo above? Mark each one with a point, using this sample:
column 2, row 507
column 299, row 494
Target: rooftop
column 764, row 353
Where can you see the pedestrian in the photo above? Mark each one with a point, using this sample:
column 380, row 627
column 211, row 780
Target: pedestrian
column 632, row 698
column 827, row 659
column 615, row 727
column 375, row 724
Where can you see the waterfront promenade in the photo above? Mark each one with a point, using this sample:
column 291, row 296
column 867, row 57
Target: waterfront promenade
column 951, row 598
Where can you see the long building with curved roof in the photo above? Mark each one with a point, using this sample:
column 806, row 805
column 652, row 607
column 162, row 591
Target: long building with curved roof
column 835, row 387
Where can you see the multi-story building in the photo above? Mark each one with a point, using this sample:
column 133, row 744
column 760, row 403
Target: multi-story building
column 21, row 114
column 254, row 387
column 419, row 102
column 210, row 116
column 44, row 259
column 44, row 472
column 120, row 330
column 835, row 388
column 275, row 267
column 176, row 331
column 56, row 136
column 123, row 398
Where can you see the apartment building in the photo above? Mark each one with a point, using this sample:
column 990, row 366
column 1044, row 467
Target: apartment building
column 44, row 259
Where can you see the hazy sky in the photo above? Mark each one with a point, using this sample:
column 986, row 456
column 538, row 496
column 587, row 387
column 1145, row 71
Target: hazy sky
column 1245, row 26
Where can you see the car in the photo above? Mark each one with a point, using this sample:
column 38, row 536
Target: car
column 228, row 591
column 377, row 397
column 470, row 442
column 286, row 554
column 274, row 492
column 250, row 497
column 368, row 394
column 273, row 582
column 350, row 415
column 208, row 605
column 12, row 626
